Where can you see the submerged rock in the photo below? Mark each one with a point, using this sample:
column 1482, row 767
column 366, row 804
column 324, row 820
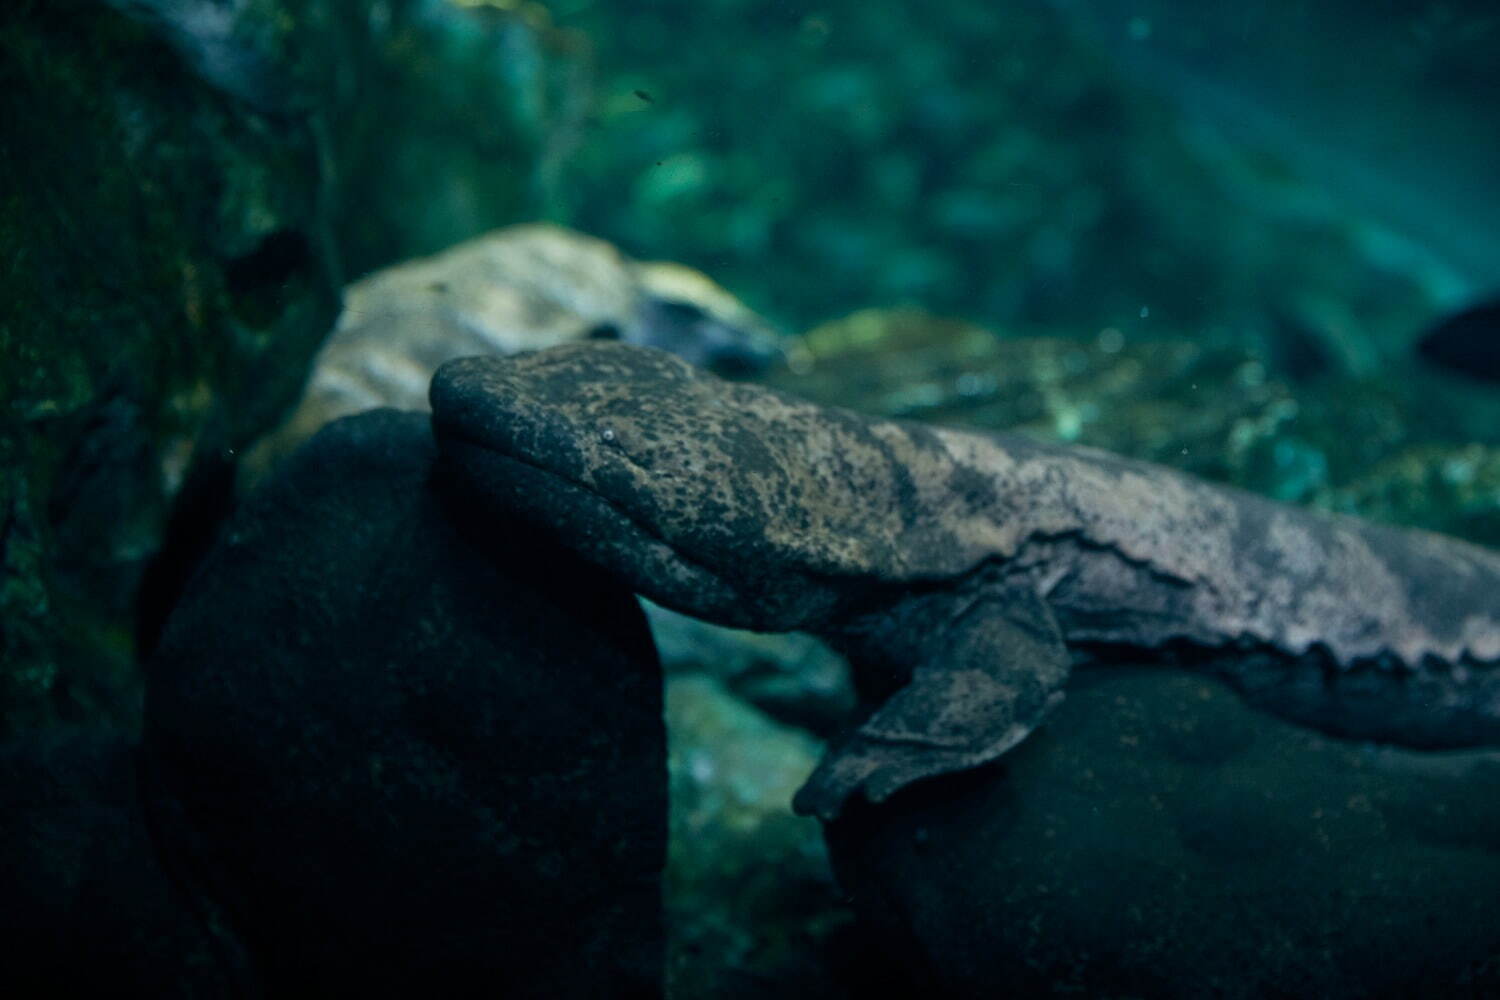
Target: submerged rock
column 393, row 744
column 790, row 676
column 1159, row 838
column 752, row 908
column 1449, row 488
column 1209, row 411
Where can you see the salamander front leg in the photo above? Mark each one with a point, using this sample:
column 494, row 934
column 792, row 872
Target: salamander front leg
column 989, row 667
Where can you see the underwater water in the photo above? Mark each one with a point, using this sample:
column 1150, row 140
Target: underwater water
column 672, row 649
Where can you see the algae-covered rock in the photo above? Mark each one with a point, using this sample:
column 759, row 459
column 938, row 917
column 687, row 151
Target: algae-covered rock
column 1159, row 838
column 1454, row 489
column 791, row 676
column 167, row 277
column 1206, row 410
column 179, row 181
column 751, row 905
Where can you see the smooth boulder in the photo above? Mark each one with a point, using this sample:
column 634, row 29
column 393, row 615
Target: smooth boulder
column 403, row 748
column 1157, row 837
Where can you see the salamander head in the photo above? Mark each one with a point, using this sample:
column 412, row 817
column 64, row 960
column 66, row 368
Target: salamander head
column 724, row 500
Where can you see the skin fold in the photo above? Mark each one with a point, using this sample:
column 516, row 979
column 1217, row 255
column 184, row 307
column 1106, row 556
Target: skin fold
column 964, row 574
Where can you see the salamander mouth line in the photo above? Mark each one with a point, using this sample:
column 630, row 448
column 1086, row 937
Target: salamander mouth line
column 571, row 488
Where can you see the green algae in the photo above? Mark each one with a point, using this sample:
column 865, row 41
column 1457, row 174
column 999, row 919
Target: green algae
column 133, row 189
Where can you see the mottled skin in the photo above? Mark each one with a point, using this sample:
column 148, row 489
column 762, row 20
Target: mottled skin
column 965, row 573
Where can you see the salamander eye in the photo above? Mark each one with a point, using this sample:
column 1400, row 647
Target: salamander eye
column 604, row 331
column 624, row 443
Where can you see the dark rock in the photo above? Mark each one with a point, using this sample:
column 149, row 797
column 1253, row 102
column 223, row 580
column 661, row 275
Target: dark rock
column 1467, row 343
column 1099, row 858
column 89, row 909
column 399, row 754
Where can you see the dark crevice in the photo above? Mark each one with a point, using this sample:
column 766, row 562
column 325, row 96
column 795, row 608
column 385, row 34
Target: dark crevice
column 203, row 504
column 260, row 281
